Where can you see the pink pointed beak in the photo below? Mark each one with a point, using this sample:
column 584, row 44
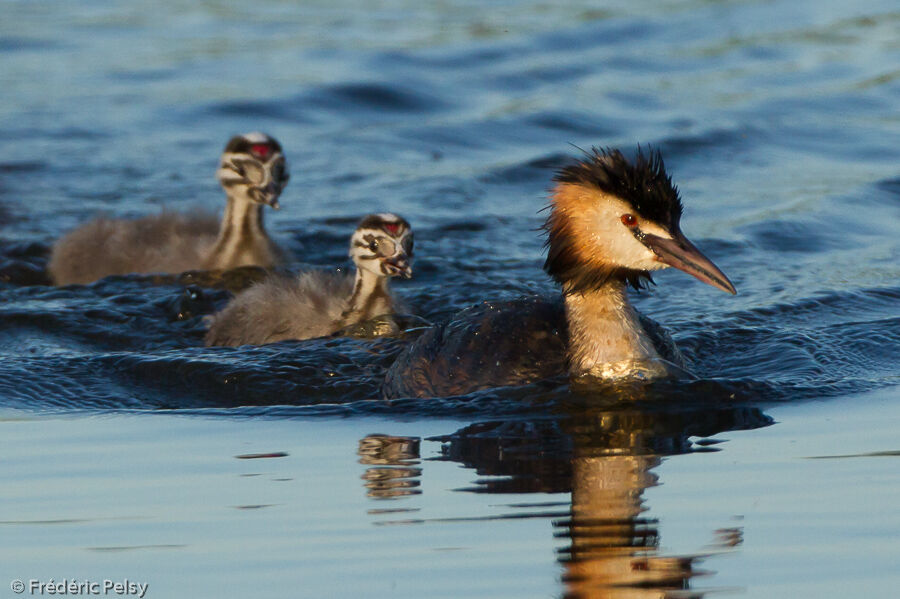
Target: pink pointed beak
column 680, row 253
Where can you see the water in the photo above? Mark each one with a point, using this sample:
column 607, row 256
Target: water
column 778, row 122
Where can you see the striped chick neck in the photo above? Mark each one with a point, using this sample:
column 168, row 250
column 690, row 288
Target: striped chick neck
column 381, row 248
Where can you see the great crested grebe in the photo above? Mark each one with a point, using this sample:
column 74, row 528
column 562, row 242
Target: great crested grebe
column 316, row 304
column 253, row 172
column 611, row 221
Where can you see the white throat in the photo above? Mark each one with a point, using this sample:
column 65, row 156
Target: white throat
column 606, row 339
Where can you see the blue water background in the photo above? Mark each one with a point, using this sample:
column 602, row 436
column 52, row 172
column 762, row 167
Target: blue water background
column 779, row 123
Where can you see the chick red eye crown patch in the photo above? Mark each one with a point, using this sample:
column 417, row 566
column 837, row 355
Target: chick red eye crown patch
column 261, row 150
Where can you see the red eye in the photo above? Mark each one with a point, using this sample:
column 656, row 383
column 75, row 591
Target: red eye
column 629, row 220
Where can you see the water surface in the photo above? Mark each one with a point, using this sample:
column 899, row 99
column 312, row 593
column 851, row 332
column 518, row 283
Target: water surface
column 778, row 122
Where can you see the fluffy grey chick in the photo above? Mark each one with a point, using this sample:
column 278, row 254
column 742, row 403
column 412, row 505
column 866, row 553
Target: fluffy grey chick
column 253, row 173
column 316, row 304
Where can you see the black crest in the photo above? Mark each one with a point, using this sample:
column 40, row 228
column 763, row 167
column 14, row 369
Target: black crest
column 644, row 183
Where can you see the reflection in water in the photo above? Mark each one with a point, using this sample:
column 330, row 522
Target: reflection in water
column 390, row 475
column 612, row 551
column 604, row 458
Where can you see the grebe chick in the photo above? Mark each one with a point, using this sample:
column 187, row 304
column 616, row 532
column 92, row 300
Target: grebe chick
column 316, row 304
column 611, row 221
column 253, row 172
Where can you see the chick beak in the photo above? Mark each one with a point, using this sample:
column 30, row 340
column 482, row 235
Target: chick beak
column 681, row 253
column 399, row 265
column 272, row 193
column 269, row 195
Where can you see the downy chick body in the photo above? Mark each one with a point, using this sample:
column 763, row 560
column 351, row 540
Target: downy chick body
column 252, row 171
column 316, row 304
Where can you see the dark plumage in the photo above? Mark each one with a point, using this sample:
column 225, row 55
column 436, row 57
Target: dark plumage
column 528, row 340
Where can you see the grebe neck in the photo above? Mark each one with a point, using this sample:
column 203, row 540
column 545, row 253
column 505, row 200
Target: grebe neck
column 242, row 238
column 370, row 298
column 606, row 339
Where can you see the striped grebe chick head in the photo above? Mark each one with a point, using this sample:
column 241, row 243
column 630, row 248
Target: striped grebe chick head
column 253, row 165
column 383, row 245
column 611, row 218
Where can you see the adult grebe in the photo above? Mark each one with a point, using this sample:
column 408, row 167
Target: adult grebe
column 253, row 172
column 611, row 221
column 316, row 303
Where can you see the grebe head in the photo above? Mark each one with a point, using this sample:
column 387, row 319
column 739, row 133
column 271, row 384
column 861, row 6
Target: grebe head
column 383, row 244
column 253, row 164
column 611, row 218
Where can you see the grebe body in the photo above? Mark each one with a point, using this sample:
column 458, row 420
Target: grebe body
column 611, row 221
